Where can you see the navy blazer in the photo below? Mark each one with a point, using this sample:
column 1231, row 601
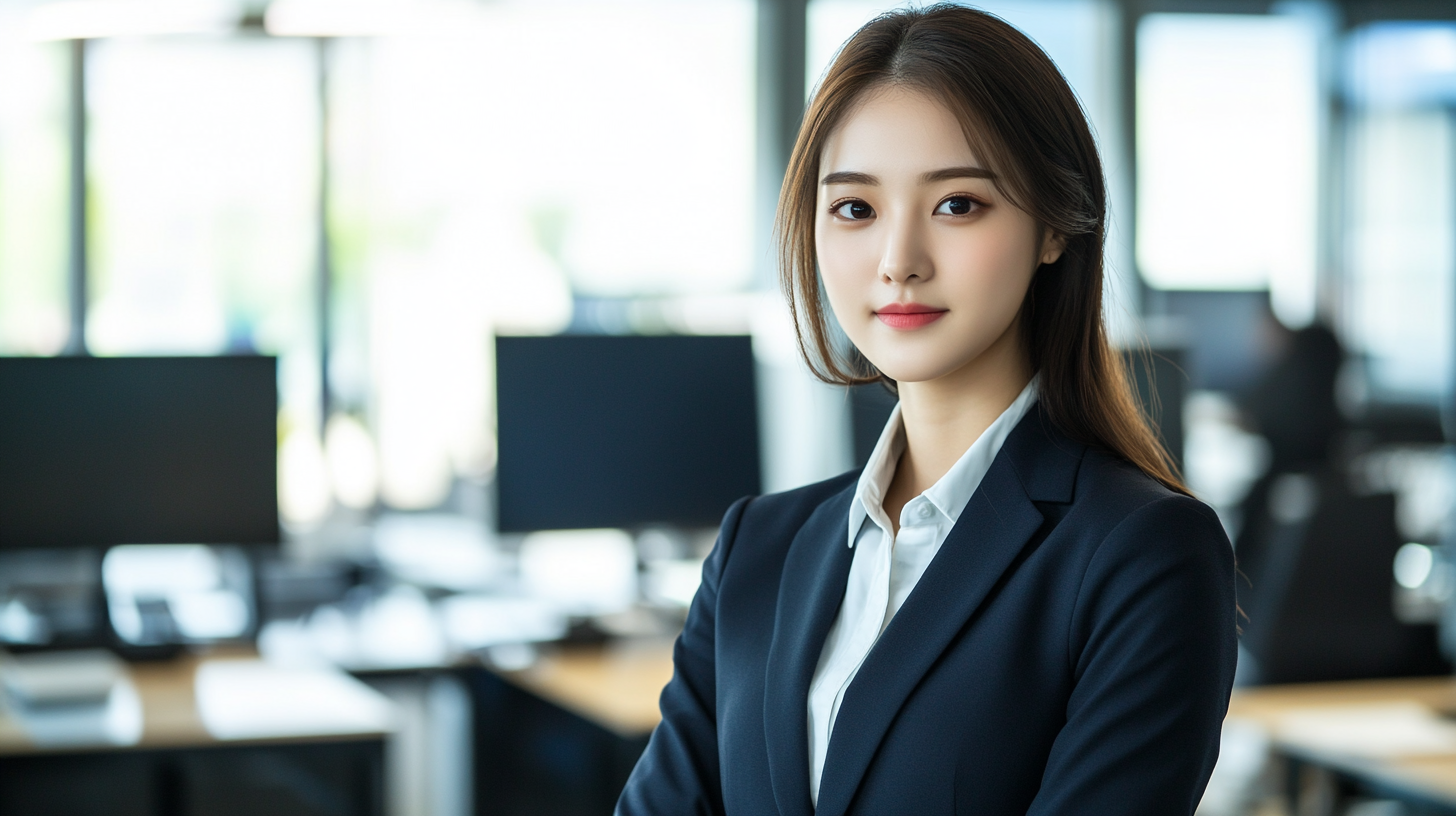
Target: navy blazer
column 1070, row 650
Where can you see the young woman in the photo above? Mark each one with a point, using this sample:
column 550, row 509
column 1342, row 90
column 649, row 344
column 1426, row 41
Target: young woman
column 1015, row 608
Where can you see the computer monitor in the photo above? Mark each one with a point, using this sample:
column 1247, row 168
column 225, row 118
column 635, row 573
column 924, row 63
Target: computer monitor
column 96, row 451
column 623, row 431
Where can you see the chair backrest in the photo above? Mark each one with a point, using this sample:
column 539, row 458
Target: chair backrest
column 1321, row 595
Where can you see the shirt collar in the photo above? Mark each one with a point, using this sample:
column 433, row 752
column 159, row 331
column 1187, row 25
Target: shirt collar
column 953, row 491
column 869, row 493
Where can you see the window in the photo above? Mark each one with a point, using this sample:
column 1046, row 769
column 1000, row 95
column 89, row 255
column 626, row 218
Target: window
column 203, row 181
column 486, row 178
column 34, row 318
column 1228, row 136
column 1400, row 80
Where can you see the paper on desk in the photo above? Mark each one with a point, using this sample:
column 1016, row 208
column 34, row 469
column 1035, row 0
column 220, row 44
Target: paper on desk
column 1377, row 730
column 249, row 699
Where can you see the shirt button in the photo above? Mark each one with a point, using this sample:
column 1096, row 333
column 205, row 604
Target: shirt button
column 925, row 511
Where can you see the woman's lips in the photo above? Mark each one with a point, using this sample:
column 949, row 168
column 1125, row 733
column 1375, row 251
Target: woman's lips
column 908, row 315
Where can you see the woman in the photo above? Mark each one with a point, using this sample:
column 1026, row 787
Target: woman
column 1016, row 607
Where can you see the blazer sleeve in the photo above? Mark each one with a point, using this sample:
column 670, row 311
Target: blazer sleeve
column 678, row 772
column 1153, row 648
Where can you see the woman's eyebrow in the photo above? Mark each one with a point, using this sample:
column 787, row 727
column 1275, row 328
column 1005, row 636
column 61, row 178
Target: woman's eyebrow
column 849, row 177
column 949, row 173
column 929, row 177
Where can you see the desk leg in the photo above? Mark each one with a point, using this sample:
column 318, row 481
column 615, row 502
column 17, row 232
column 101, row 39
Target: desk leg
column 1319, row 793
column 1308, row 790
column 1289, row 772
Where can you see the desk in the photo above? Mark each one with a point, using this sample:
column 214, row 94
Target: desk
column 1390, row 738
column 562, row 736
column 616, row 686
column 215, row 735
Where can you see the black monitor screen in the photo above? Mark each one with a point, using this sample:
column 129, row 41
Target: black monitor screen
column 607, row 431
column 127, row 450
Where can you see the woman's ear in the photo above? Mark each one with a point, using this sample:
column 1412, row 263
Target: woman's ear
column 1052, row 246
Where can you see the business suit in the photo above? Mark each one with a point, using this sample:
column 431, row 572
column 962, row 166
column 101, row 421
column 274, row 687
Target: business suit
column 1069, row 650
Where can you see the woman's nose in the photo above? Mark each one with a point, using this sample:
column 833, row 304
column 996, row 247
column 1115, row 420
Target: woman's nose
column 904, row 256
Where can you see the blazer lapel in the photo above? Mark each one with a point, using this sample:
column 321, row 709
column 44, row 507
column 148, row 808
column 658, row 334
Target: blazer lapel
column 815, row 573
column 986, row 540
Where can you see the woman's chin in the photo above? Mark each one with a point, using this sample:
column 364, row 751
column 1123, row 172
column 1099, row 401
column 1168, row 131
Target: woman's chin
column 913, row 371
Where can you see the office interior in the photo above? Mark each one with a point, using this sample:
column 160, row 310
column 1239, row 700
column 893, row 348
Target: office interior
column 362, row 363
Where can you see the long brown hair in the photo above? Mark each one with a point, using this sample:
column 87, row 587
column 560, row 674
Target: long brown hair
column 1023, row 122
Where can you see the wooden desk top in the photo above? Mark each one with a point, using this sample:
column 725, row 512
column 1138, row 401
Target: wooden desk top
column 616, row 685
column 1397, row 733
column 202, row 701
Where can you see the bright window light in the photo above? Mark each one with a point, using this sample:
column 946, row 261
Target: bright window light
column 1402, row 250
column 1228, row 155
column 369, row 18
column 1402, row 65
column 33, row 182
column 484, row 179
column 1400, row 201
column 204, row 169
column 95, row 19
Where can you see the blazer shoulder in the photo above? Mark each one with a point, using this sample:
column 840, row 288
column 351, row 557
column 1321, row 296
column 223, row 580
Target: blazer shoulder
column 1115, row 490
column 799, row 502
column 759, row 530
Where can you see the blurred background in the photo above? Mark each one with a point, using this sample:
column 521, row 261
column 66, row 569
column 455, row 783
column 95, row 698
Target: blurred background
column 373, row 374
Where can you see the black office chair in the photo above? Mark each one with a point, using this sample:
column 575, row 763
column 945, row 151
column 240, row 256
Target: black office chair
column 1319, row 590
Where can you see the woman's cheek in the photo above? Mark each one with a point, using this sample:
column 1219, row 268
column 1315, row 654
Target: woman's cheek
column 845, row 302
column 994, row 273
column 843, row 270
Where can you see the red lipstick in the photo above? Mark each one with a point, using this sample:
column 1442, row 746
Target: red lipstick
column 907, row 316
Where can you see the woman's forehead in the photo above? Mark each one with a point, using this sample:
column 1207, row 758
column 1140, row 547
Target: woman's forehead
column 897, row 131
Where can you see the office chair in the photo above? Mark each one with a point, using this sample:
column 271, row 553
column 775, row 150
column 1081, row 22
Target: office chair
column 1319, row 588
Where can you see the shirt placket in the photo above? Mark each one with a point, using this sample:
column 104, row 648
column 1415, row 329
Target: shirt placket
column 917, row 531
column 866, row 629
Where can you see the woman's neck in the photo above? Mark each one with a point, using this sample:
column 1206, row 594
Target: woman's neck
column 945, row 416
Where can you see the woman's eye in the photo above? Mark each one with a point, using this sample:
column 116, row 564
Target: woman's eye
column 956, row 205
column 854, row 210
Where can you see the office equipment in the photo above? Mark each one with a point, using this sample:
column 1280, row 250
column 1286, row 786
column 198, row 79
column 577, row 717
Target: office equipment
column 151, row 450
column 616, row 431
column 1224, row 335
column 50, row 597
column 82, row 676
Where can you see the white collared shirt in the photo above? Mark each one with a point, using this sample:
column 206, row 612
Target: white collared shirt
column 886, row 567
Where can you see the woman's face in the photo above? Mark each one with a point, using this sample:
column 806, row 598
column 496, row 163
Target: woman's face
column 925, row 263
